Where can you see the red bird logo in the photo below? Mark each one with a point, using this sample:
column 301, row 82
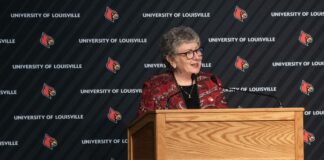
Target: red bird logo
column 241, row 64
column 240, row 14
column 114, row 116
column 306, row 88
column 305, row 38
column 49, row 142
column 46, row 40
column 112, row 65
column 48, row 91
column 308, row 137
column 111, row 15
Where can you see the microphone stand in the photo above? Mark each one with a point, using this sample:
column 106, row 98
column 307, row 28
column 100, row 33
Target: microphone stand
column 257, row 93
column 213, row 78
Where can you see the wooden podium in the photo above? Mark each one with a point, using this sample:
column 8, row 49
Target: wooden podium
column 225, row 134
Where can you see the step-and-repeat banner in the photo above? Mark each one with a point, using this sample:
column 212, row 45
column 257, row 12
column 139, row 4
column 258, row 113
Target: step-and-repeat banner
column 72, row 71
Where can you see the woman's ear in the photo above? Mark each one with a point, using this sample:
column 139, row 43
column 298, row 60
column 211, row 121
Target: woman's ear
column 171, row 61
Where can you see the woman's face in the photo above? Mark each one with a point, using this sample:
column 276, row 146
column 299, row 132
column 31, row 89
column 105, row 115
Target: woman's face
column 182, row 63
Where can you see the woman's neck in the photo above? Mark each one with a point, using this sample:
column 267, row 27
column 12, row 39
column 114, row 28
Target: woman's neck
column 183, row 79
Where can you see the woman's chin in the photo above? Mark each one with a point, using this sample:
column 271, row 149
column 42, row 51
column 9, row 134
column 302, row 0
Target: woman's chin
column 196, row 71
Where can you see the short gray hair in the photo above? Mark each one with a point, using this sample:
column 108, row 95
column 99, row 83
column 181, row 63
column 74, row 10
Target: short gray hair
column 174, row 38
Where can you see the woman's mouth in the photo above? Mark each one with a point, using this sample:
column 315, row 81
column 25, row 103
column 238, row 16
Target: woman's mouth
column 195, row 65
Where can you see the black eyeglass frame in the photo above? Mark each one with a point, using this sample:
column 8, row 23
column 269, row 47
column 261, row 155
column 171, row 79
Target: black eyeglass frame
column 190, row 54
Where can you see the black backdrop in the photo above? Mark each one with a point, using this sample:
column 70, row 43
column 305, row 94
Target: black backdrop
column 65, row 90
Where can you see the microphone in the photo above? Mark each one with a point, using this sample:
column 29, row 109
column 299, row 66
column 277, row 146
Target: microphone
column 213, row 78
column 193, row 79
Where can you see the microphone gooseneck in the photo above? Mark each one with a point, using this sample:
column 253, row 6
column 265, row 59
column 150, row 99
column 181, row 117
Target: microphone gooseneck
column 213, row 78
column 193, row 78
column 169, row 98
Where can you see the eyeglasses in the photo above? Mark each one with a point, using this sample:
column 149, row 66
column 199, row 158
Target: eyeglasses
column 190, row 54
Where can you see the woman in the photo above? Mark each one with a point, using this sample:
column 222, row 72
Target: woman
column 184, row 86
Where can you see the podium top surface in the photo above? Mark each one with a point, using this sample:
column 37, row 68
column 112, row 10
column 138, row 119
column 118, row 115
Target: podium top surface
column 294, row 109
column 232, row 111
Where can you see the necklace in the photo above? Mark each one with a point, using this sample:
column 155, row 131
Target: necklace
column 183, row 90
column 188, row 94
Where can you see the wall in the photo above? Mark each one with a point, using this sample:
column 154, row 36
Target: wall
column 62, row 98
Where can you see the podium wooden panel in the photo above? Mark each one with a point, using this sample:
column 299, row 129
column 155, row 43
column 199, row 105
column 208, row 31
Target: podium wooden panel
column 224, row 134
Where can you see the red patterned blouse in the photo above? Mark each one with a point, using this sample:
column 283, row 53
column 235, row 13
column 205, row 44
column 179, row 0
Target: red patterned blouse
column 162, row 92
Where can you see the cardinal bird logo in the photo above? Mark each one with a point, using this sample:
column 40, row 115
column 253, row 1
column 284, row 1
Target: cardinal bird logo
column 240, row 14
column 49, row 142
column 112, row 65
column 46, row 40
column 114, row 116
column 111, row 15
column 306, row 88
column 241, row 64
column 308, row 137
column 48, row 91
column 305, row 38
